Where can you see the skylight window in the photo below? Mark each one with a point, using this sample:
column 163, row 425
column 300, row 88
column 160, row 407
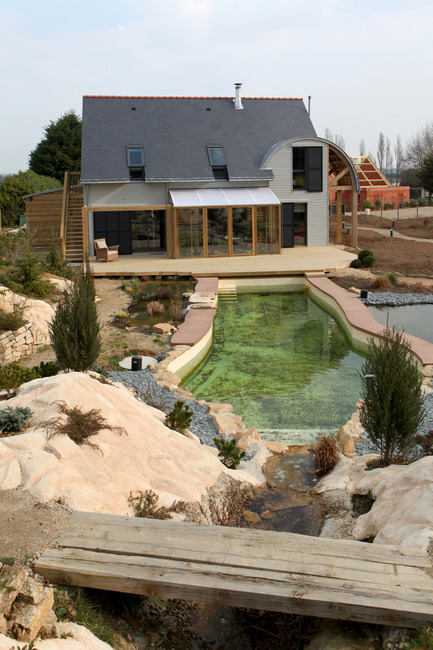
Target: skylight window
column 217, row 160
column 135, row 156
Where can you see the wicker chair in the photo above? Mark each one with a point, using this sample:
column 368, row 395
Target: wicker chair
column 105, row 253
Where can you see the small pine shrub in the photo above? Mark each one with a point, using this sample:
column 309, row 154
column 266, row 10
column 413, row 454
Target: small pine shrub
column 29, row 271
column 180, row 417
column 230, row 456
column 13, row 375
column 326, row 453
column 52, row 260
column 366, row 257
column 78, row 425
column 355, row 264
column 47, row 369
column 154, row 307
column 11, row 320
column 14, row 419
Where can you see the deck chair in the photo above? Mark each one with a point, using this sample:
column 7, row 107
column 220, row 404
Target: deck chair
column 104, row 252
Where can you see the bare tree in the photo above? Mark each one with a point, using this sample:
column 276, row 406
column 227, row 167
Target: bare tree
column 389, row 159
column 419, row 146
column 381, row 151
column 398, row 152
column 362, row 147
column 337, row 138
column 372, row 158
column 329, row 135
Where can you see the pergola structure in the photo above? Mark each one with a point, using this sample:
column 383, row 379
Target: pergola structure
column 343, row 177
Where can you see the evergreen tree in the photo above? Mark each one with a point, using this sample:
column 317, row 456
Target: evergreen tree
column 425, row 174
column 393, row 407
column 75, row 331
column 60, row 149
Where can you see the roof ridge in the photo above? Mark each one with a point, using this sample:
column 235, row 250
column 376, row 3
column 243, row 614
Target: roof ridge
column 181, row 97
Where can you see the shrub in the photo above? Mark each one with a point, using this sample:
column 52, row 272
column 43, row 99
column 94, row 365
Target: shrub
column 367, row 204
column 78, row 425
column 14, row 419
column 163, row 292
column 393, row 278
column 180, row 417
column 366, row 257
column 29, row 276
column 355, row 264
column 230, row 456
column 393, row 408
column 154, row 307
column 75, row 331
column 47, row 369
column 13, row 375
column 326, row 453
column 145, row 505
column 176, row 312
column 12, row 320
column 426, row 443
column 378, row 203
column 52, row 260
column 381, row 282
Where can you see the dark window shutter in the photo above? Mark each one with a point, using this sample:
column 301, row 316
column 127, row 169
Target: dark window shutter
column 314, row 169
column 287, row 235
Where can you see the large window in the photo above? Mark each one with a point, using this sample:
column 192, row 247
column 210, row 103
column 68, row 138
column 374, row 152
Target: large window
column 242, row 225
column 299, row 170
column 308, row 169
column 267, row 230
column 189, row 232
column 217, row 231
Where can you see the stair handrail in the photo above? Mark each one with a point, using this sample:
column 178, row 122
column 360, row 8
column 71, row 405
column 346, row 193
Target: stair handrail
column 63, row 219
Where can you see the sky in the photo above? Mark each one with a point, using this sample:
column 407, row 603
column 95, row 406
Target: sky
column 367, row 65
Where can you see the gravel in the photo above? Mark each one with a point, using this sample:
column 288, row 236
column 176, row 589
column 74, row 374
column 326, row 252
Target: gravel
column 388, row 298
column 148, row 391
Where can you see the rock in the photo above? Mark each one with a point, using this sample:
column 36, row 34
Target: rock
column 49, row 628
column 214, row 407
column 276, row 447
column 12, row 579
column 149, row 456
column 229, row 424
column 163, row 328
column 338, row 478
column 355, row 290
column 353, row 427
column 28, row 618
column 3, row 625
column 37, row 311
column 332, row 637
column 345, row 442
column 402, row 513
column 245, row 441
column 166, row 379
column 251, row 517
column 266, row 514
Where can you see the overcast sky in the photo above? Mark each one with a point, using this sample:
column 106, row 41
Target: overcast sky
column 366, row 64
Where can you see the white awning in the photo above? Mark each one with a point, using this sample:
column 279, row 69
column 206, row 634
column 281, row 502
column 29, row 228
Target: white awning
column 223, row 197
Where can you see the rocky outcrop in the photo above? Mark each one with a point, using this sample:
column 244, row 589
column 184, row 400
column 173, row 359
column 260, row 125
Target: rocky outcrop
column 26, row 615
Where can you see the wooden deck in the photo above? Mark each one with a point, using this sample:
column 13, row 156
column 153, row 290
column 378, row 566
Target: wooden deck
column 283, row 572
column 292, row 261
column 360, row 317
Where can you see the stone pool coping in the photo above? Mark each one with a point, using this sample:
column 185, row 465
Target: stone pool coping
column 355, row 318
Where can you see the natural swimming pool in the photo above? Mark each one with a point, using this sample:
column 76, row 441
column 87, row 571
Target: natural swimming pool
column 283, row 363
column 413, row 319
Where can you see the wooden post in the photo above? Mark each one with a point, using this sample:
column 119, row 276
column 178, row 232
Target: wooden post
column 84, row 211
column 354, row 233
column 339, row 239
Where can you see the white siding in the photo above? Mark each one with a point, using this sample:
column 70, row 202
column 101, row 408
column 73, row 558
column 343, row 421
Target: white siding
column 317, row 202
column 127, row 194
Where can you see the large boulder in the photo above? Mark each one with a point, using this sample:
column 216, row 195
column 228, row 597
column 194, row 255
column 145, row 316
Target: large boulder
column 37, row 311
column 148, row 456
column 403, row 509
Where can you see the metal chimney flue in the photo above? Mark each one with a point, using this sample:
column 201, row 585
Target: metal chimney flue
column 237, row 100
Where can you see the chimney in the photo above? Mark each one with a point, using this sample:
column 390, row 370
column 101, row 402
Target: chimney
column 237, row 100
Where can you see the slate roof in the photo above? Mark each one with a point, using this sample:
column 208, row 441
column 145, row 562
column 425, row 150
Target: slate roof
column 175, row 132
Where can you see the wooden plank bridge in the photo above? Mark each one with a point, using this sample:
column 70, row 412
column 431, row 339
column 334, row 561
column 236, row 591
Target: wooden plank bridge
column 241, row 567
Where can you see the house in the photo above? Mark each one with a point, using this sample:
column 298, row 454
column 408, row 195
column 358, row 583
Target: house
column 206, row 176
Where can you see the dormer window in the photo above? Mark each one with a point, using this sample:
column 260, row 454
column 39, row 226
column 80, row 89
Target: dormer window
column 217, row 160
column 135, row 160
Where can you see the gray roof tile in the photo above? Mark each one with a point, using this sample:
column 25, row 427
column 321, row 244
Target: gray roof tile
column 175, row 132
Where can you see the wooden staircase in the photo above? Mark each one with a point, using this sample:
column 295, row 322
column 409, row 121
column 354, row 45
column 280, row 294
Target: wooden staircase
column 71, row 228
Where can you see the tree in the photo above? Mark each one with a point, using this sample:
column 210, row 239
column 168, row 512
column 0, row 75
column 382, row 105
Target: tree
column 15, row 187
column 362, row 147
column 389, row 159
column 393, row 407
column 398, row 152
column 60, row 149
column 381, row 151
column 409, row 177
column 337, row 138
column 425, row 174
column 420, row 146
column 75, row 331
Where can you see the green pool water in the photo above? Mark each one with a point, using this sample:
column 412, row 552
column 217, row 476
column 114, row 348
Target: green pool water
column 283, row 363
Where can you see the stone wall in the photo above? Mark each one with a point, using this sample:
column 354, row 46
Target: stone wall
column 24, row 341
